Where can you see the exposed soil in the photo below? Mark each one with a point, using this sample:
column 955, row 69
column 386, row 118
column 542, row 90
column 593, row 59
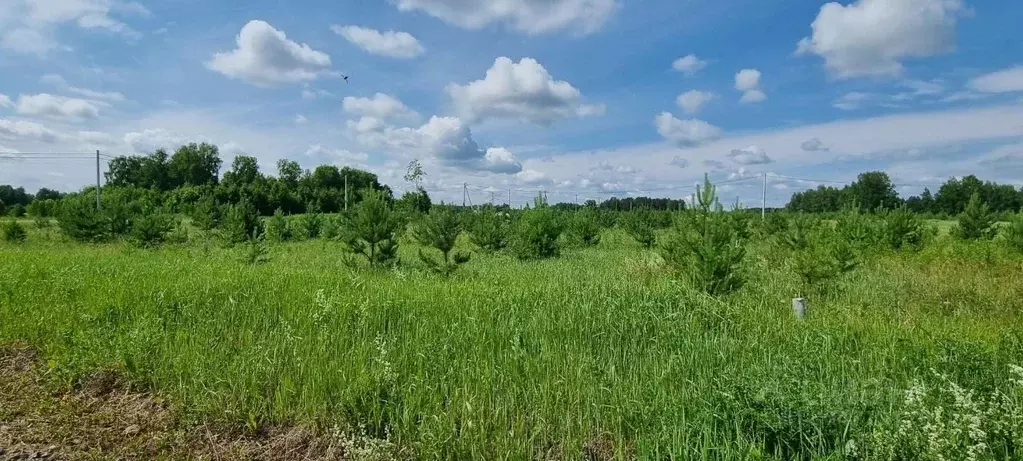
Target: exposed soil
column 104, row 419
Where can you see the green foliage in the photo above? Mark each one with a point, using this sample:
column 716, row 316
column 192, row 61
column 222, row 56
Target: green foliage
column 585, row 226
column 80, row 220
column 440, row 230
column 414, row 202
column 277, row 228
column 42, row 222
column 860, row 230
column 256, row 252
column 13, row 232
column 205, row 214
column 903, row 229
column 797, row 234
column 489, row 228
column 1014, row 233
column 824, row 257
column 535, row 233
column 976, row 222
column 371, row 230
column 640, row 226
column 704, row 248
column 330, row 227
column 151, row 229
column 16, row 211
column 311, row 225
column 240, row 223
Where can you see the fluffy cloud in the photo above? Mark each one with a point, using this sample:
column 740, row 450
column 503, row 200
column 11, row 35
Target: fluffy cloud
column 1003, row 81
column 501, row 160
column 523, row 90
column 393, row 44
column 265, row 57
column 320, row 155
column 748, row 82
column 30, row 26
column 380, row 106
column 813, row 145
column 5, row 101
column 615, row 168
column 16, row 130
column 689, row 64
column 752, row 155
column 533, row 177
column 692, row 101
column 870, row 37
column 146, row 141
column 529, row 16
column 57, row 106
column 689, row 132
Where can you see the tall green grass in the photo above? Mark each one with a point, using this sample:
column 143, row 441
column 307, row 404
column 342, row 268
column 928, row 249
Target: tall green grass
column 513, row 360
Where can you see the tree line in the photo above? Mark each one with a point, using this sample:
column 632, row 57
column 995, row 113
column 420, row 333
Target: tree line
column 874, row 190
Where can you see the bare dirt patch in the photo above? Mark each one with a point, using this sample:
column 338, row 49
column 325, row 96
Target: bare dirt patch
column 102, row 418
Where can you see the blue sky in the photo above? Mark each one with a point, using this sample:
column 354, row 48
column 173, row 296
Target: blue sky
column 587, row 98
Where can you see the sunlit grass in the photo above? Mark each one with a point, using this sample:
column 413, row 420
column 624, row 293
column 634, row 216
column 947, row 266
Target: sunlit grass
column 510, row 359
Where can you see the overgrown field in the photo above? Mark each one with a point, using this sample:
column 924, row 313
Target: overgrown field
column 600, row 353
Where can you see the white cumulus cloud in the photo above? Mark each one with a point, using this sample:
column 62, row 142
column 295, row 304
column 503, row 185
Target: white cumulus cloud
column 748, row 82
column 16, row 130
column 752, row 155
column 692, row 101
column 380, row 106
column 813, row 145
column 393, row 44
column 265, row 57
column 523, row 90
column 149, row 140
column 31, row 26
column 872, row 37
column 689, row 132
column 689, row 64
column 57, row 106
column 529, row 16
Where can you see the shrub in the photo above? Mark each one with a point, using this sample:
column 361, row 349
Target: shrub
column 240, row 222
column 439, row 230
column 641, row 226
column 80, row 220
column 277, row 228
column 42, row 222
column 585, row 226
column 151, row 229
column 488, row 229
column 535, row 233
column 859, row 229
column 1014, row 233
column 824, row 258
column 704, row 247
column 329, row 229
column 796, row 235
column 311, row 225
column 16, row 211
column 205, row 214
column 976, row 222
column 903, row 229
column 371, row 230
column 256, row 252
column 13, row 232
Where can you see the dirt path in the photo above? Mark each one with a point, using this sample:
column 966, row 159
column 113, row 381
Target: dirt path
column 105, row 420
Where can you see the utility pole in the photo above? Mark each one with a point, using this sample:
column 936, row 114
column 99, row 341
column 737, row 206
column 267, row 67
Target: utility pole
column 509, row 199
column 576, row 199
column 491, row 198
column 346, row 192
column 465, row 191
column 763, row 205
column 97, row 179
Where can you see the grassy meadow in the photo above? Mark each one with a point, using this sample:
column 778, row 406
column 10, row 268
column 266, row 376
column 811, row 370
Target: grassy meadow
column 598, row 354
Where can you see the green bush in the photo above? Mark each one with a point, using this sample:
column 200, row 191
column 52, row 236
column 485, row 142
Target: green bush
column 330, row 228
column 311, row 225
column 1014, row 233
column 488, row 229
column 371, row 230
column 585, row 226
column 16, row 211
column 205, row 214
column 277, row 227
column 904, row 229
column 640, row 224
column 860, row 230
column 151, row 229
column 976, row 222
column 535, row 234
column 240, row 222
column 704, row 248
column 80, row 220
column 13, row 232
column 439, row 230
